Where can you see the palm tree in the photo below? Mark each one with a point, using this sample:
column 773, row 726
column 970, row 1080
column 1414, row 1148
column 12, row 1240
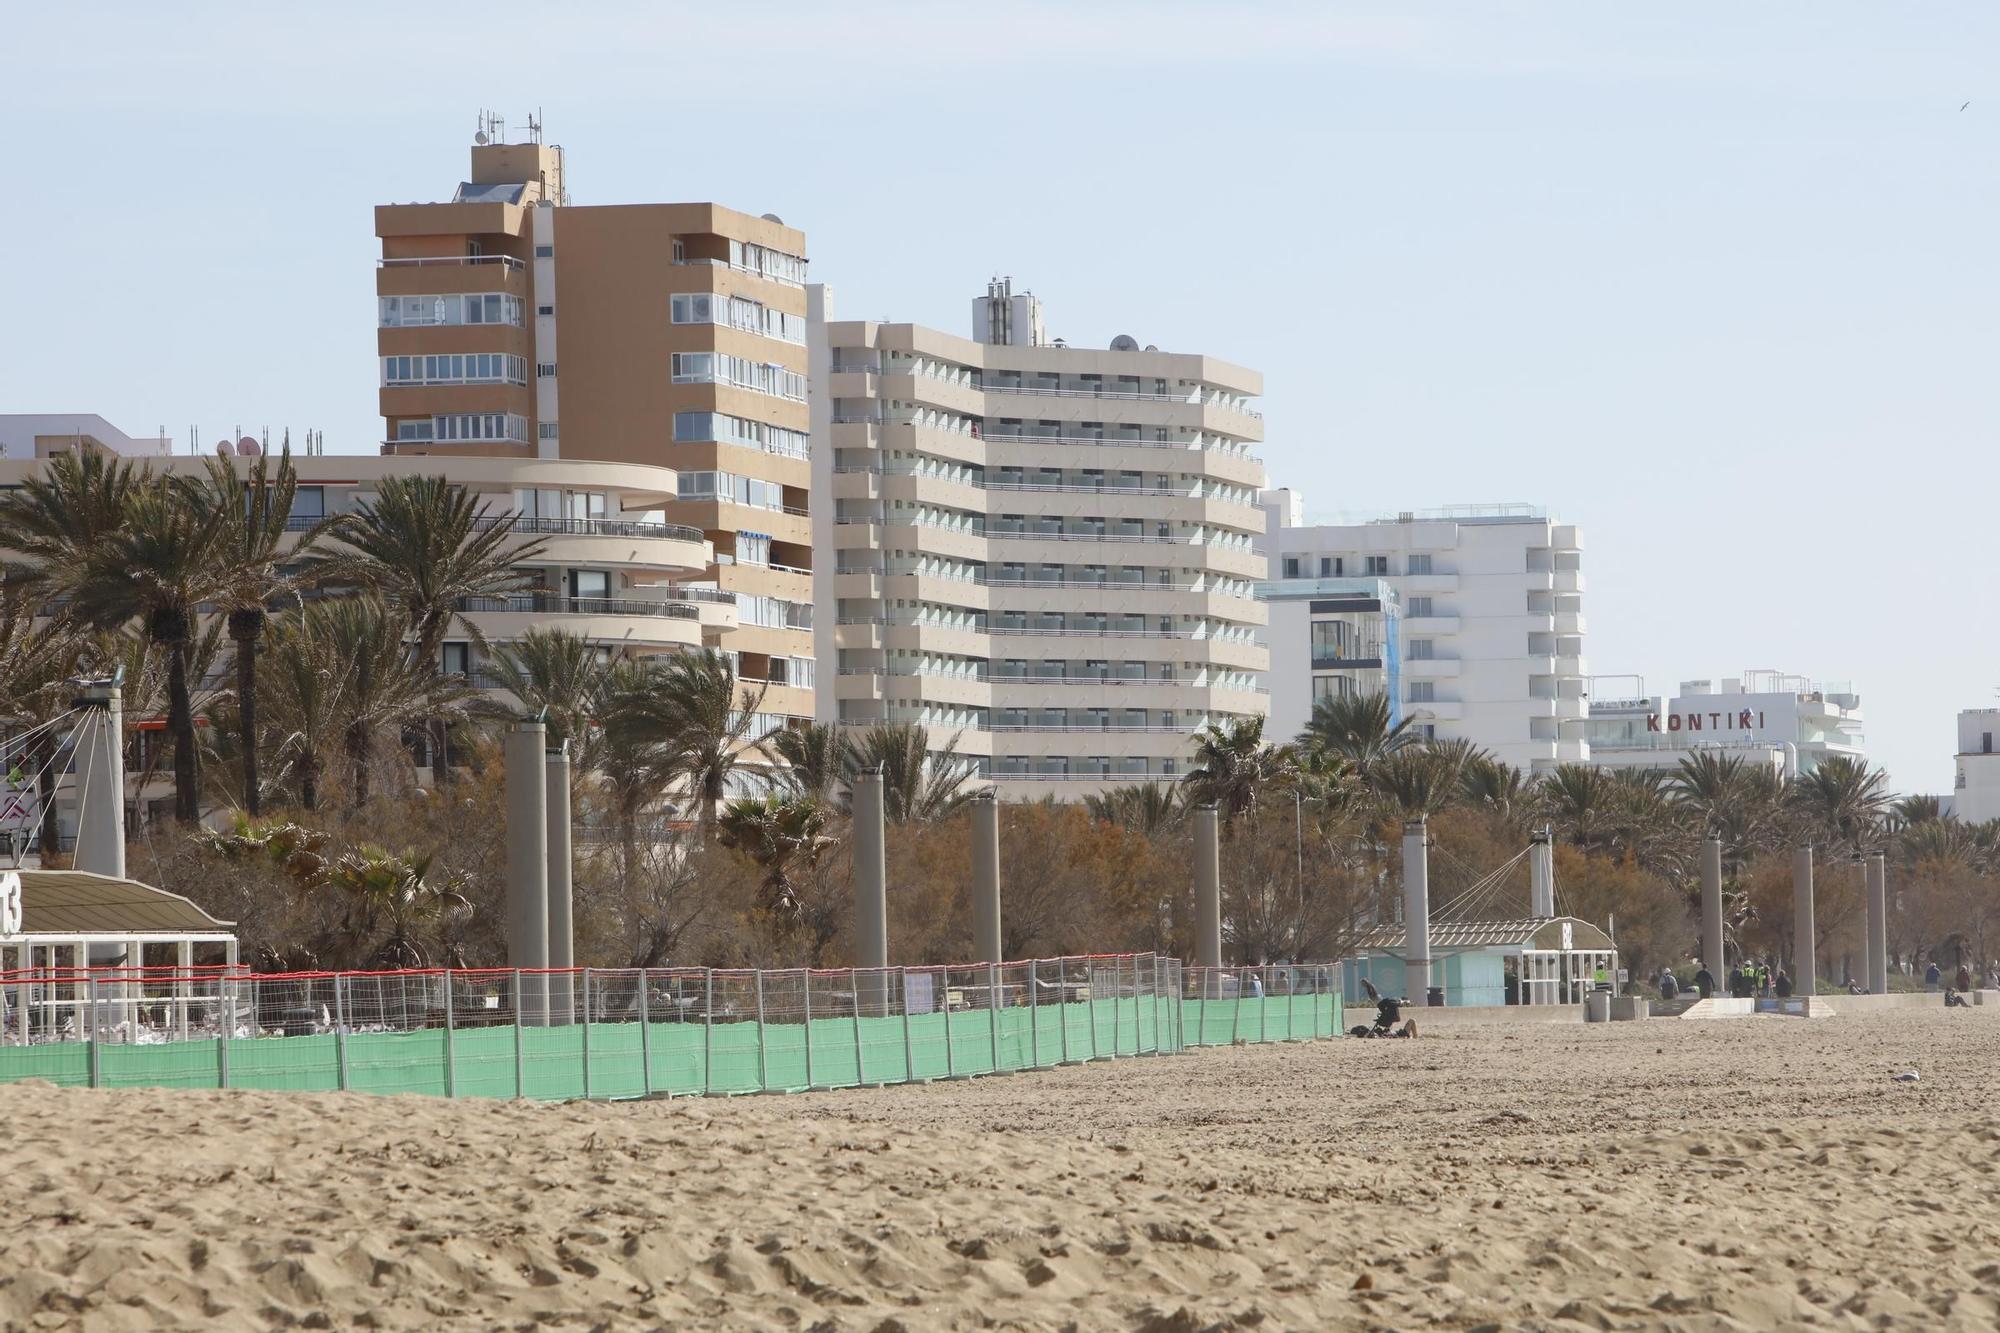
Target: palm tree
column 308, row 682
column 1732, row 798
column 160, row 566
column 1357, row 728
column 692, row 704
column 1233, row 764
column 255, row 515
column 435, row 552
column 1143, row 807
column 1417, row 781
column 393, row 907
column 818, row 758
column 1840, row 804
column 59, row 515
column 921, row 784
column 1496, row 787
column 386, row 689
column 1580, row 801
column 565, row 678
column 782, row 834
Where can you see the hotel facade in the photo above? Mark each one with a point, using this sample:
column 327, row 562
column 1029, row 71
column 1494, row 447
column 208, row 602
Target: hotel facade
column 1047, row 552
column 1487, row 624
column 1786, row 723
column 516, row 325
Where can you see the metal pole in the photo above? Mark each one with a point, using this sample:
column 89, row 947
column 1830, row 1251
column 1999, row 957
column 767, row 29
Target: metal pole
column 1062, row 1005
column 806, row 989
column 1034, row 1014
column 1090, row 1000
column 871, row 879
column 520, row 1057
column 986, row 878
column 645, row 1037
column 1805, row 947
column 944, row 994
column 569, row 980
column 340, row 1031
column 1207, row 887
column 96, row 1060
column 1416, row 912
column 228, row 1031
column 909, row 1061
column 561, row 928
column 1712, row 949
column 1292, row 1003
column 708, row 1037
column 993, row 1009
column 1878, row 922
column 860, row 1073
column 1201, row 1006
column 763, row 1036
column 450, row 1051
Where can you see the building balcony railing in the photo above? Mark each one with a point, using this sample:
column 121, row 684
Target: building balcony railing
column 738, row 268
column 594, row 527
column 551, row 604
column 506, row 262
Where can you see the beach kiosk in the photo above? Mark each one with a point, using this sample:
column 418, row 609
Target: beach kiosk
column 66, row 935
column 1525, row 960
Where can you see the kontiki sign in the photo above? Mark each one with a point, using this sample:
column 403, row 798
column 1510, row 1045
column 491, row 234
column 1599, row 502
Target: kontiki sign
column 1716, row 721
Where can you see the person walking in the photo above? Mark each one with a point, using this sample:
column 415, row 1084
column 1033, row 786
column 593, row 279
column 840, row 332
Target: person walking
column 1963, row 981
column 1931, row 976
column 1783, row 985
column 1704, row 982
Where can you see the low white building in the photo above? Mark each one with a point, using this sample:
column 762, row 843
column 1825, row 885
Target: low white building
column 1785, row 722
column 1975, row 788
column 1491, row 626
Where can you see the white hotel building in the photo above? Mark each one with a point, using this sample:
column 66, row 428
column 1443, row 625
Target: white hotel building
column 1490, row 627
column 1975, row 794
column 1047, row 551
column 1787, row 723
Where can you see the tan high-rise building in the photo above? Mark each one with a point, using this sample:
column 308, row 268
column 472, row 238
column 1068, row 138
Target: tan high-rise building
column 515, row 323
column 1046, row 550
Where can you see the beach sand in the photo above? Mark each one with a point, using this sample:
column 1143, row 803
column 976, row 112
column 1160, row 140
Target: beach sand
column 1756, row 1173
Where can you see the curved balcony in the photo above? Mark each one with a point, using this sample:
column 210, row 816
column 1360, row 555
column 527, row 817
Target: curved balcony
column 608, row 620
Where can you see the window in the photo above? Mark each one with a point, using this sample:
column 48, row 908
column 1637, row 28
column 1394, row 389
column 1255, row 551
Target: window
column 1423, row 691
column 1420, row 564
column 1332, row 687
column 726, row 429
column 753, row 548
column 545, row 252
column 1329, row 567
column 413, row 312
column 1420, row 607
column 589, row 583
column 1378, row 565
column 455, row 368
column 1423, row 650
column 740, row 372
column 1330, row 640
column 457, row 659
column 309, row 502
column 545, row 370
column 547, row 430
column 545, row 310
column 1291, row 566
column 1427, row 731
column 465, row 426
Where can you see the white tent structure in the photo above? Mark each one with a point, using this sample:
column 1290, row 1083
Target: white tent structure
column 63, row 931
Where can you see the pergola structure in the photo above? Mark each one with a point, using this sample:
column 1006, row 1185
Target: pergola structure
column 66, row 934
column 1552, row 960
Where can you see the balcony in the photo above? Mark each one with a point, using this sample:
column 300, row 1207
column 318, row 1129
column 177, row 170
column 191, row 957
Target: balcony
column 506, row 263
column 551, row 604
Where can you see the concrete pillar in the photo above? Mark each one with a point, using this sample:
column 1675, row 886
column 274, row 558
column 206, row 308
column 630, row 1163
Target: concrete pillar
column 986, row 879
column 871, row 892
column 528, row 865
column 1711, row 911
column 100, row 782
column 1541, row 875
column 562, row 930
column 1805, row 958
column 1417, row 910
column 1207, row 887
column 1878, row 924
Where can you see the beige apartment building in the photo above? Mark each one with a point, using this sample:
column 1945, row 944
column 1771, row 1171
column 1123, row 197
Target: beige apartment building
column 1048, row 551
column 516, row 325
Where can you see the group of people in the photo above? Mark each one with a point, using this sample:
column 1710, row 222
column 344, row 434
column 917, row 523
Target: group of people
column 1747, row 980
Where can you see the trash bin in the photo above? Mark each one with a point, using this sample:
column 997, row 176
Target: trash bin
column 1597, row 1006
column 1434, row 997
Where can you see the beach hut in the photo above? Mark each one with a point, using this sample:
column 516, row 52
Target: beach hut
column 63, row 930
column 1523, row 960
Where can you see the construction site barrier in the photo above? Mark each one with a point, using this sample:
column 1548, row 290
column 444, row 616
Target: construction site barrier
column 627, row 1033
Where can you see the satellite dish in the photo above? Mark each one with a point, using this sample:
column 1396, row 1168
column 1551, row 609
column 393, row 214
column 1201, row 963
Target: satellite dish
column 249, row 448
column 773, row 217
column 1124, row 342
column 224, row 448
column 482, row 138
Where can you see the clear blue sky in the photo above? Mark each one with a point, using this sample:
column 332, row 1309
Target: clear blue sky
column 1715, row 281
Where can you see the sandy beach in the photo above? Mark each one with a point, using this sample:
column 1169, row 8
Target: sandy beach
column 1745, row 1174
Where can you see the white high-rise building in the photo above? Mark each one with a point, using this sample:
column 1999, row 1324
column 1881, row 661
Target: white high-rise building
column 1047, row 551
column 1491, row 625
column 1784, row 722
column 1975, row 794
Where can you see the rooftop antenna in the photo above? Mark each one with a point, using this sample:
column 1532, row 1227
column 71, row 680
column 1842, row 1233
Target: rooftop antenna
column 535, row 125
